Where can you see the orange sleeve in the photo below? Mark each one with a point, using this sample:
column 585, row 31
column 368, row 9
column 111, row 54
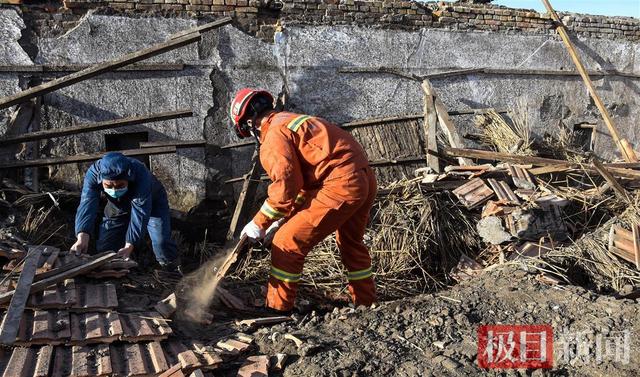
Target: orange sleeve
column 279, row 159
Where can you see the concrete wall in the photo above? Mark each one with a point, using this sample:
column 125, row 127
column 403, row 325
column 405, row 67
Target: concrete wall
column 304, row 60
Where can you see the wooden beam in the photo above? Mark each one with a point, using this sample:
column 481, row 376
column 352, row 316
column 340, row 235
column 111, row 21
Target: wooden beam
column 380, row 120
column 41, row 285
column 46, row 69
column 84, row 158
column 399, row 118
column 13, row 315
column 635, row 231
column 202, row 28
column 484, row 71
column 374, row 163
column 174, row 143
column 231, row 258
column 83, row 128
column 429, row 128
column 611, row 180
column 445, row 122
column 430, row 187
column 549, row 165
column 396, row 161
column 96, row 70
column 239, row 144
column 247, row 194
column 505, row 157
column 562, row 31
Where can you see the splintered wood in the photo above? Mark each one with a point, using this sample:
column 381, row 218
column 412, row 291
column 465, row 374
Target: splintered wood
column 473, row 193
column 626, row 244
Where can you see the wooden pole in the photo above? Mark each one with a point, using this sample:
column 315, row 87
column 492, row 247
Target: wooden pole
column 83, row 128
column 248, row 192
column 429, row 127
column 611, row 180
column 11, row 322
column 96, row 70
column 84, row 158
column 627, row 154
column 445, row 121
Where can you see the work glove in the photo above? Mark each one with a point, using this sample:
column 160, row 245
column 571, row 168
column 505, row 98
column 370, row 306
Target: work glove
column 253, row 231
column 271, row 232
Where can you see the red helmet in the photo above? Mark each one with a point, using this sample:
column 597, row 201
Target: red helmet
column 239, row 107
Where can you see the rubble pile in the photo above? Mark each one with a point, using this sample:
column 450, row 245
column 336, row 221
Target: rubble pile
column 431, row 230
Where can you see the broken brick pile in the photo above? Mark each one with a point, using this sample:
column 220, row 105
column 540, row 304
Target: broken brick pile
column 261, row 16
column 74, row 329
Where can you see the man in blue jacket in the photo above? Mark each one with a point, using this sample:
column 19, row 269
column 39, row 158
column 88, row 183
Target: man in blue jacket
column 137, row 202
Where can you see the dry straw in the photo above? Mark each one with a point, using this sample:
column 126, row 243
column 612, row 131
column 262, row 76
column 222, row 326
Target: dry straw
column 415, row 238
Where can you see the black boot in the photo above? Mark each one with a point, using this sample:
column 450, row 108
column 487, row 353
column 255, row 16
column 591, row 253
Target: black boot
column 173, row 268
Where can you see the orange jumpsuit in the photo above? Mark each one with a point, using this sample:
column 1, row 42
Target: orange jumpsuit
column 321, row 182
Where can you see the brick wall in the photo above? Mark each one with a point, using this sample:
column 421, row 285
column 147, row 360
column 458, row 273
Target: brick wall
column 260, row 16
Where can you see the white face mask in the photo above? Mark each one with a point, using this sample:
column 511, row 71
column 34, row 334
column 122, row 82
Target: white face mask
column 116, row 193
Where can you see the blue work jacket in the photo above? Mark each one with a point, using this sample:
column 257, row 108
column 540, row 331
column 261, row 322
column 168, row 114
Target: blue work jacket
column 144, row 189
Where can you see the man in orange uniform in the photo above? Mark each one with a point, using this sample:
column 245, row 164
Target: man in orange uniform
column 321, row 183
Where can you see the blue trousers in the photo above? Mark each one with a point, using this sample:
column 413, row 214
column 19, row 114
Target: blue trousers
column 113, row 230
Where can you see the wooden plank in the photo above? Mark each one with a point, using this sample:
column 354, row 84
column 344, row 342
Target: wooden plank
column 97, row 69
column 58, row 270
column 43, row 284
column 11, row 321
column 202, row 28
column 67, row 68
column 84, row 158
column 51, row 260
column 445, row 122
column 376, row 121
column 263, row 321
column 429, row 128
column 505, row 157
column 620, row 191
column 229, row 260
column 84, row 128
column 174, row 143
column 249, row 187
column 485, row 71
column 635, row 228
column 372, row 163
column 629, row 149
column 562, row 31
column 548, row 164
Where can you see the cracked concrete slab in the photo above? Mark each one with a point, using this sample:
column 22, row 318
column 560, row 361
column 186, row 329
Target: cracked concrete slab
column 314, row 54
column 99, row 38
column 11, row 53
column 121, row 94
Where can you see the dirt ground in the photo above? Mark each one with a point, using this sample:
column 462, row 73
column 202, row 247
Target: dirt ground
column 436, row 334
